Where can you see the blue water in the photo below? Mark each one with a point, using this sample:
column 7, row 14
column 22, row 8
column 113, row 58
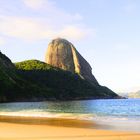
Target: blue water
column 121, row 114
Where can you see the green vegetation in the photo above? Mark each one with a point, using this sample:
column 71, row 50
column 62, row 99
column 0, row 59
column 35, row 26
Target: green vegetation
column 34, row 80
column 34, row 65
column 9, row 80
column 62, row 84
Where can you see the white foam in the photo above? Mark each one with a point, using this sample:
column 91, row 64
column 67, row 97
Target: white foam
column 48, row 115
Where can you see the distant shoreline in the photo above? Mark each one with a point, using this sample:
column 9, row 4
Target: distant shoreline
column 56, row 100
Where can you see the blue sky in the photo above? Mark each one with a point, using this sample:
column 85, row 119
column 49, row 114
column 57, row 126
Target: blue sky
column 105, row 32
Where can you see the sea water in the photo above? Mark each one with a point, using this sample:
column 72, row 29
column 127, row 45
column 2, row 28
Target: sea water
column 115, row 114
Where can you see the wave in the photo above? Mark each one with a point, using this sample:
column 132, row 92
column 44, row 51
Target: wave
column 102, row 122
column 49, row 115
column 91, row 117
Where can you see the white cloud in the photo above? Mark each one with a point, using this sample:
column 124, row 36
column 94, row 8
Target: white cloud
column 73, row 32
column 51, row 10
column 33, row 29
column 34, row 4
column 52, row 22
column 23, row 28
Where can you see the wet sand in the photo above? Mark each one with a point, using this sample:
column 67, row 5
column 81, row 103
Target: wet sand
column 59, row 129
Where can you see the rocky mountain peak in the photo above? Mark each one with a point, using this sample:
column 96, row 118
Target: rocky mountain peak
column 62, row 54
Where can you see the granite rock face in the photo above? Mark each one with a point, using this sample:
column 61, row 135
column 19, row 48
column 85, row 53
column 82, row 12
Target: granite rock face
column 62, row 54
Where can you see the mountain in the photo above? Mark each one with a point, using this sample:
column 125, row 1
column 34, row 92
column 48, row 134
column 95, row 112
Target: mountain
column 62, row 54
column 123, row 94
column 134, row 94
column 12, row 86
column 33, row 80
column 60, row 84
column 9, row 80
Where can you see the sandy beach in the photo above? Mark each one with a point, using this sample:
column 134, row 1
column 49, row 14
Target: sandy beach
column 15, row 131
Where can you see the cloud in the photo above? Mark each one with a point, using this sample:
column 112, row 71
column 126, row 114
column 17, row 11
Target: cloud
column 33, row 29
column 73, row 32
column 51, row 10
column 49, row 22
column 23, row 28
column 35, row 4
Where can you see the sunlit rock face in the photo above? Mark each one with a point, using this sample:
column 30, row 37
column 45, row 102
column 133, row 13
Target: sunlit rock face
column 62, row 54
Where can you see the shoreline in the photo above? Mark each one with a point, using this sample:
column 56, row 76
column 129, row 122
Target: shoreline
column 68, row 100
column 12, row 131
column 50, row 121
column 36, row 128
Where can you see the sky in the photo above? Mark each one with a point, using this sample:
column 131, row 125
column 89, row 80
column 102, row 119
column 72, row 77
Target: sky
column 105, row 32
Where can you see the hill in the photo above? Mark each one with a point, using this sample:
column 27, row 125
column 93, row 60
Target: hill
column 9, row 80
column 12, row 86
column 63, row 84
column 33, row 80
column 134, row 94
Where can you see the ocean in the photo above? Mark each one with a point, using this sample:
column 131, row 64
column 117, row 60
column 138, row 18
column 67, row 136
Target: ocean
column 110, row 114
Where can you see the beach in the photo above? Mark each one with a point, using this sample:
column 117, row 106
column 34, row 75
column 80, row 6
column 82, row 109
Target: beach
column 11, row 131
column 70, row 129
column 75, row 120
